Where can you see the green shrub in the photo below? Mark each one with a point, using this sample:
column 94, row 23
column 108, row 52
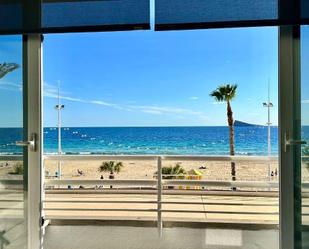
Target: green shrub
column 18, row 169
column 169, row 172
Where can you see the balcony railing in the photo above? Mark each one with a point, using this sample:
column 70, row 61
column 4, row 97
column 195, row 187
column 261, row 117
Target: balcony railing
column 160, row 199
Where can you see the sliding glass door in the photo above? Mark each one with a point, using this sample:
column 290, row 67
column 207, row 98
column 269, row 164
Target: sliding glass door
column 294, row 133
column 19, row 142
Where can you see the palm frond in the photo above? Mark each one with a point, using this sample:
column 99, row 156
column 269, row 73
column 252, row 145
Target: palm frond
column 6, row 68
column 173, row 170
column 111, row 167
column 224, row 92
column 217, row 95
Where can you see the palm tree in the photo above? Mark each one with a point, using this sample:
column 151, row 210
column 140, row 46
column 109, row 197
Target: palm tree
column 111, row 167
column 226, row 93
column 5, row 68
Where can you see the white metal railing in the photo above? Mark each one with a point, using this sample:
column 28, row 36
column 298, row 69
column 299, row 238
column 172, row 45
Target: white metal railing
column 162, row 182
column 264, row 159
column 11, row 157
column 154, row 183
column 157, row 184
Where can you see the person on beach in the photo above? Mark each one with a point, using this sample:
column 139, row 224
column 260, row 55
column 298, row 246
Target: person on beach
column 102, row 178
column 111, row 177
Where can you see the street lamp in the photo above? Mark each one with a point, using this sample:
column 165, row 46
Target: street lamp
column 268, row 105
column 59, row 107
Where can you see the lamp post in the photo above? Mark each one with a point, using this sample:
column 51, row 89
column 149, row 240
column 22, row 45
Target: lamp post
column 59, row 107
column 268, row 105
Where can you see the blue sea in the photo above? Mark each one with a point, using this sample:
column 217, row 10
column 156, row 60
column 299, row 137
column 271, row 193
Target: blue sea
column 251, row 140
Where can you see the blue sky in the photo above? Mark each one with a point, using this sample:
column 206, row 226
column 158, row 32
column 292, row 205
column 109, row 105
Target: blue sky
column 147, row 78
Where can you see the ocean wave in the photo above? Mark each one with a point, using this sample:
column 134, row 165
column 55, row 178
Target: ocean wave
column 85, row 153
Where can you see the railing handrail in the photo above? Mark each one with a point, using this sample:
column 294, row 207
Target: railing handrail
column 224, row 158
column 11, row 157
column 121, row 182
column 65, row 157
column 125, row 182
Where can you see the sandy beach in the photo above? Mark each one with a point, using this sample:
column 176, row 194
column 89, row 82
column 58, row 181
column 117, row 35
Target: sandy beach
column 146, row 169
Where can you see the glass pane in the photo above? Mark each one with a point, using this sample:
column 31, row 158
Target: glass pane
column 13, row 225
column 147, row 94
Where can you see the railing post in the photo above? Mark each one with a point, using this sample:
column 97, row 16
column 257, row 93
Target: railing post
column 159, row 196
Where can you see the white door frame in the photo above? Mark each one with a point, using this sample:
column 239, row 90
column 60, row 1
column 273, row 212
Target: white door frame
column 289, row 129
column 32, row 91
column 289, row 120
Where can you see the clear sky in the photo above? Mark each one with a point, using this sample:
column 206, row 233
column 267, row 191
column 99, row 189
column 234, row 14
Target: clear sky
column 147, row 78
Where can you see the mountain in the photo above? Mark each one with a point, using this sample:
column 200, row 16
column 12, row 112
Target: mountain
column 240, row 123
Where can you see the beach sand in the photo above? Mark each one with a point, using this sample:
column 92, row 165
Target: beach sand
column 146, row 169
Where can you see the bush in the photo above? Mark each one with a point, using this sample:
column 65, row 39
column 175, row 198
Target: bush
column 18, row 169
column 170, row 172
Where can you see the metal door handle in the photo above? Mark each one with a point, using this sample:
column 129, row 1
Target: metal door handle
column 31, row 143
column 291, row 142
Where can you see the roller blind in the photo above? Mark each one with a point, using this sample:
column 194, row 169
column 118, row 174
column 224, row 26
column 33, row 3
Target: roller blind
column 48, row 16
column 100, row 14
column 10, row 16
column 305, row 11
column 186, row 14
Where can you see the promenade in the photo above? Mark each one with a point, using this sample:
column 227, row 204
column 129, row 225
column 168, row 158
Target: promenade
column 221, row 207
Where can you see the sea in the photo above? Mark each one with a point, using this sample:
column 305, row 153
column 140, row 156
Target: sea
column 206, row 140
column 249, row 140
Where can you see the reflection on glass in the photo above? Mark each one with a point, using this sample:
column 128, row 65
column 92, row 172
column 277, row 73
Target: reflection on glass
column 13, row 229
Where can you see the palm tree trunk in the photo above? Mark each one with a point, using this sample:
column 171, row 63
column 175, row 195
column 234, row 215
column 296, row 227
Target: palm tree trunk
column 232, row 143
